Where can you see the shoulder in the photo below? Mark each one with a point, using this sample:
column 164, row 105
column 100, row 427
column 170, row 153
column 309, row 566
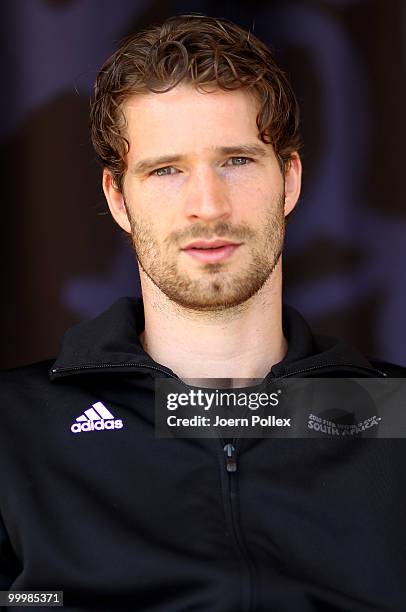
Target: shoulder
column 27, row 373
column 23, row 383
column 392, row 370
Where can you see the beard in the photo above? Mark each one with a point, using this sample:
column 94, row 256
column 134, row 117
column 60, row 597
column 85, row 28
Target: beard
column 209, row 287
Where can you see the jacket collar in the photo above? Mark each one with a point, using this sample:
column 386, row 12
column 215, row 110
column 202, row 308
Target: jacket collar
column 110, row 342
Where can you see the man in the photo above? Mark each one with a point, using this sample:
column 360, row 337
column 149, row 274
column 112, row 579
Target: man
column 197, row 131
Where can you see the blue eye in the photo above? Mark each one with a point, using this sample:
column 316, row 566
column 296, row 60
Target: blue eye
column 166, row 171
column 240, row 161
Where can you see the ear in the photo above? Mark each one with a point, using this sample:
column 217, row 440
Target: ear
column 115, row 201
column 293, row 182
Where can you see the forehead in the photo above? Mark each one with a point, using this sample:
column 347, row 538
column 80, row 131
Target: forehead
column 188, row 118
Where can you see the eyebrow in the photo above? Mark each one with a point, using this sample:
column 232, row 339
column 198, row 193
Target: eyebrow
column 253, row 150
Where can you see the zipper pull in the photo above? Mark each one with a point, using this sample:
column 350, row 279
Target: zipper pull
column 231, row 459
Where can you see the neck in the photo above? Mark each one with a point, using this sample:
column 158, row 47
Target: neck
column 238, row 344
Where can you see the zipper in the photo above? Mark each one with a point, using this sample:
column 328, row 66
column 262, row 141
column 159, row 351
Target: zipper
column 331, row 365
column 231, row 459
column 230, row 452
column 91, row 366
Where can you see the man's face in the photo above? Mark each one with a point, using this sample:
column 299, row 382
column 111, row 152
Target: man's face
column 214, row 180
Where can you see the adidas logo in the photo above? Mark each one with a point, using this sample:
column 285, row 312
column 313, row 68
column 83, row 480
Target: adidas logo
column 96, row 418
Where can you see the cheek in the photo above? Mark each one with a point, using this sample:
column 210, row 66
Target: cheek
column 253, row 183
column 152, row 220
column 158, row 188
column 252, row 199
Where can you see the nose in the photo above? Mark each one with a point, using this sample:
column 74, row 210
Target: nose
column 207, row 197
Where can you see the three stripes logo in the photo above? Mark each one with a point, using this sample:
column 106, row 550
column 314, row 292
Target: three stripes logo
column 96, row 418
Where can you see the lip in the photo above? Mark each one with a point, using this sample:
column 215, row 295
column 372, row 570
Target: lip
column 212, row 255
column 205, row 244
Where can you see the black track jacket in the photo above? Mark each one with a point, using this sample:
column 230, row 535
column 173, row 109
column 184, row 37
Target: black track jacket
column 121, row 520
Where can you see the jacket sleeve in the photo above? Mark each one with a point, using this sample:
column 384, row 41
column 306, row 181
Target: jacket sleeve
column 8, row 561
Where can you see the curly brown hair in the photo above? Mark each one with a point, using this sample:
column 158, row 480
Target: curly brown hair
column 205, row 52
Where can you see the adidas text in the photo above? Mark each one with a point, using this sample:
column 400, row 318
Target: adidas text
column 96, row 425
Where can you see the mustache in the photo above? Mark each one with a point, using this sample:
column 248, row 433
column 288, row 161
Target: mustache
column 220, row 230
